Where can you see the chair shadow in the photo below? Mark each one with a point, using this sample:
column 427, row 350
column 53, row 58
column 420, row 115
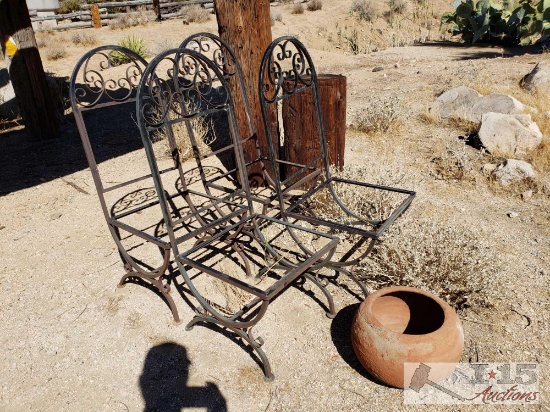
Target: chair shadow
column 164, row 383
column 340, row 331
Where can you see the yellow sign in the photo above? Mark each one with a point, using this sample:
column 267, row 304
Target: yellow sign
column 11, row 46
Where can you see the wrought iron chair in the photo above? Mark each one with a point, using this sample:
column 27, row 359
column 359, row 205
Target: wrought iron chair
column 233, row 261
column 103, row 94
column 259, row 168
column 308, row 193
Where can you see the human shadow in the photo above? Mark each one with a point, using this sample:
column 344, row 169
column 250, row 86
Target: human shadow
column 340, row 331
column 164, row 383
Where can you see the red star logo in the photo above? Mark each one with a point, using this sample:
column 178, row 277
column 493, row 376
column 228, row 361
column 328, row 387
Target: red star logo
column 492, row 374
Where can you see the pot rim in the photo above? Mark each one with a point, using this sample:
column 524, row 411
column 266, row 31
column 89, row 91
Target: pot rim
column 448, row 312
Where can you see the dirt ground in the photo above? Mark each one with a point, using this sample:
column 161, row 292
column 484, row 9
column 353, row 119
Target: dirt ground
column 71, row 340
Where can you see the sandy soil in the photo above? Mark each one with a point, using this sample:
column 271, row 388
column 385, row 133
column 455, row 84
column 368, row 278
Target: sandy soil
column 72, row 341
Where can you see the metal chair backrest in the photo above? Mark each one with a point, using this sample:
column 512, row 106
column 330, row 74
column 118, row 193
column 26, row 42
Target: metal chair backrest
column 219, row 52
column 287, row 71
column 183, row 95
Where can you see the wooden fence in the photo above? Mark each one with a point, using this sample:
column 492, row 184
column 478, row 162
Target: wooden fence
column 84, row 16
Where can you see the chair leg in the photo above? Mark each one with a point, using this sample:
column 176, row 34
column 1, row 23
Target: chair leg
column 331, row 313
column 244, row 333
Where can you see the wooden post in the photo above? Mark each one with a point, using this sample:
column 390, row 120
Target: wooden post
column 96, row 19
column 26, row 71
column 300, row 123
column 245, row 25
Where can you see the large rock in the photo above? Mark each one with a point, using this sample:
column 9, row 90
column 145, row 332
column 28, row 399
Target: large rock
column 467, row 104
column 454, row 101
column 538, row 79
column 496, row 103
column 510, row 135
column 513, row 170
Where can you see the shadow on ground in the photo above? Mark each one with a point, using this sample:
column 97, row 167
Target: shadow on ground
column 485, row 50
column 164, row 383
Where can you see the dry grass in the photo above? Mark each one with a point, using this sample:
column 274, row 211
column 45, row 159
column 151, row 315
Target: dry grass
column 55, row 52
column 298, row 8
column 364, row 10
column 315, row 5
column 453, row 263
column 195, row 14
column 275, row 15
column 126, row 20
column 379, row 114
column 83, row 38
column 455, row 161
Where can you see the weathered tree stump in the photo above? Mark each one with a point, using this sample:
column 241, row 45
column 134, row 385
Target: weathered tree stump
column 301, row 139
column 245, row 25
column 26, row 71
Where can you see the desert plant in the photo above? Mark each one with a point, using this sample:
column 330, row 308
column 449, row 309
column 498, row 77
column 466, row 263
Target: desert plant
column 134, row 43
column 451, row 262
column 378, row 115
column 454, row 162
column 55, row 52
column 138, row 18
column 275, row 16
column 195, row 14
column 298, row 8
column 397, row 6
column 315, row 5
column 364, row 10
column 68, row 6
column 490, row 21
column 83, row 39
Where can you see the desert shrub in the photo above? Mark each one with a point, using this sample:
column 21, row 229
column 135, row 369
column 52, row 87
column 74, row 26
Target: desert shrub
column 364, row 9
column 138, row 18
column 453, row 263
column 68, row 6
column 195, row 14
column 315, row 5
column 55, row 52
column 275, row 15
column 454, row 162
column 378, row 115
column 83, row 38
column 398, row 6
column 298, row 9
column 134, row 43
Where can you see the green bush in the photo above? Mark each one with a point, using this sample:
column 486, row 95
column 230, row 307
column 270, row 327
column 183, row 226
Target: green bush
column 134, row 43
column 499, row 22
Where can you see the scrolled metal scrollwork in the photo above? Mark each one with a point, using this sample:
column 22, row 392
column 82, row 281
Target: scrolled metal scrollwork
column 215, row 49
column 180, row 86
column 287, row 71
column 110, row 74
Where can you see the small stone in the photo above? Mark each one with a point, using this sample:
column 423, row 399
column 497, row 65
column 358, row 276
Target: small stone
column 378, row 69
column 512, row 215
column 55, row 215
column 396, row 65
column 544, row 272
column 525, row 196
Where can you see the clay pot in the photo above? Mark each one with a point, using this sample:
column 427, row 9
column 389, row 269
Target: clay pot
column 400, row 324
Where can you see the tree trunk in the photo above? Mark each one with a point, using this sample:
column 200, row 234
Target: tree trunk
column 245, row 25
column 301, row 143
column 26, row 71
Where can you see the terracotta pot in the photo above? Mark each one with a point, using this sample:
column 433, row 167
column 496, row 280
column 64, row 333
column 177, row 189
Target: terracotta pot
column 400, row 324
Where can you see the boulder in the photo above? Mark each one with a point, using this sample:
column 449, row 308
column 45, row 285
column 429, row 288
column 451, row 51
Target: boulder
column 495, row 103
column 510, row 135
column 538, row 79
column 454, row 101
column 513, row 170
